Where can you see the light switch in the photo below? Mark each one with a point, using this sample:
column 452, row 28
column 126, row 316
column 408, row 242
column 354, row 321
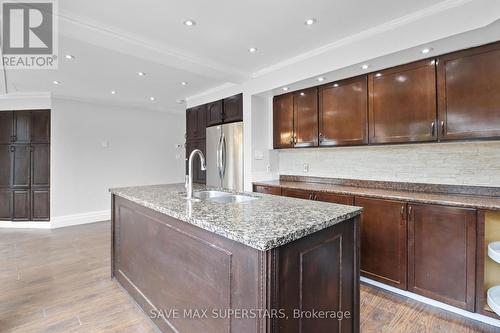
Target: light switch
column 306, row 167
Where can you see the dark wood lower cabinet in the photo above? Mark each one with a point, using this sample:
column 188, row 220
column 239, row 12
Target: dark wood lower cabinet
column 21, row 205
column 5, row 204
column 5, row 166
column 40, row 204
column 267, row 189
column 341, row 199
column 383, row 240
column 300, row 194
column 441, row 253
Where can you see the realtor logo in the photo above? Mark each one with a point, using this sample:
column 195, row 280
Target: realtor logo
column 29, row 36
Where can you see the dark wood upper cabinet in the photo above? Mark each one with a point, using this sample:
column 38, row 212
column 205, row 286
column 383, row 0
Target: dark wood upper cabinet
column 215, row 113
column 343, row 112
column 21, row 166
column 40, row 165
column 468, row 91
column 40, row 126
column 283, row 121
column 383, row 240
column 305, row 117
column 6, row 127
column 402, row 103
column 6, row 155
column 233, row 108
column 22, row 126
column 196, row 122
column 441, row 253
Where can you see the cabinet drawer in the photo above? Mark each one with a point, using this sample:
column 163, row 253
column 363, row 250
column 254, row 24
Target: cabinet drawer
column 267, row 189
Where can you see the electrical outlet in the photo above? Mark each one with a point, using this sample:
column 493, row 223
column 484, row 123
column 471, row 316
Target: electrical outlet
column 306, row 167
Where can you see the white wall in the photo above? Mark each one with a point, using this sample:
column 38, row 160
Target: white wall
column 142, row 150
column 465, row 163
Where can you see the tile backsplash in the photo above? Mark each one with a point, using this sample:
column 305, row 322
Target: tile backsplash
column 461, row 163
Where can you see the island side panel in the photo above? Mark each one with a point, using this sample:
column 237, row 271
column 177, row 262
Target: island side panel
column 317, row 272
column 167, row 264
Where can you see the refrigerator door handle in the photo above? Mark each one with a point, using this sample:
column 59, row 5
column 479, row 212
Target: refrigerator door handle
column 219, row 159
column 223, row 156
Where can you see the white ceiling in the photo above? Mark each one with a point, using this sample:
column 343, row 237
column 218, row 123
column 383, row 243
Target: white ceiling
column 114, row 39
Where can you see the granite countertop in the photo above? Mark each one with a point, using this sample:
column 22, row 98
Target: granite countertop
column 479, row 202
column 265, row 223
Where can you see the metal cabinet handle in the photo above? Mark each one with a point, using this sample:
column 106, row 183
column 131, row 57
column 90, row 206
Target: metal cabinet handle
column 315, row 196
column 14, row 138
column 442, row 127
column 403, row 212
column 409, row 212
column 12, row 148
column 320, row 137
column 433, row 128
column 291, row 140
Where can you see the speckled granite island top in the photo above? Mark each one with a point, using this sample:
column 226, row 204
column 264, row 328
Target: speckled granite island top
column 263, row 224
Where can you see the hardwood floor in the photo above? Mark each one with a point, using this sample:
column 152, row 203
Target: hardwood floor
column 58, row 281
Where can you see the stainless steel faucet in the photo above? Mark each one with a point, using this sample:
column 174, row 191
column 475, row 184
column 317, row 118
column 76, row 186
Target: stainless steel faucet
column 189, row 176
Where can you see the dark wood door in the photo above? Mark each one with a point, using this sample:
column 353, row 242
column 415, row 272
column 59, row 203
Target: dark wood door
column 283, row 121
column 215, row 113
column 199, row 176
column 383, row 240
column 343, row 112
column 40, row 165
column 468, row 90
column 40, row 126
column 22, row 126
column 21, row 205
column 5, row 204
column 342, row 199
column 305, row 117
column 6, row 127
column 40, row 204
column 196, row 121
column 294, row 193
column 21, row 166
column 402, row 103
column 233, row 108
column 441, row 253
column 6, row 154
column 267, row 189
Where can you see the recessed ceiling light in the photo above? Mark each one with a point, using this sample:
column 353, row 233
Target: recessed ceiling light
column 302, row 94
column 320, row 79
column 426, row 50
column 252, row 50
column 152, row 99
column 69, row 56
column 179, row 101
column 285, row 88
column 141, row 73
column 56, row 82
column 378, row 75
column 310, row 21
column 189, row 23
column 113, row 92
column 365, row 66
column 184, row 83
column 335, row 85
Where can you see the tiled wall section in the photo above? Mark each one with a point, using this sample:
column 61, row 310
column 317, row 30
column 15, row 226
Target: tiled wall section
column 467, row 163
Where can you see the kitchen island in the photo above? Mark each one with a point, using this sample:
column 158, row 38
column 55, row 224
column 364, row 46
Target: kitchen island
column 266, row 264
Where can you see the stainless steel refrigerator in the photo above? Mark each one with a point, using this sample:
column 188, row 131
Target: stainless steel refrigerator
column 225, row 156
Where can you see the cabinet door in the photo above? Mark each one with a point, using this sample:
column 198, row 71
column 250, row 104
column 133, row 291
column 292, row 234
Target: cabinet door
column 40, row 204
column 5, row 165
column 267, row 189
column 383, row 241
column 402, row 103
column 441, row 256
column 233, row 108
column 343, row 112
column 196, row 121
column 21, row 166
column 199, row 176
column 191, row 123
column 5, row 204
column 201, row 122
column 40, row 165
column 21, row 205
column 305, row 117
column 22, row 126
column 301, row 194
column 215, row 113
column 283, row 121
column 468, row 86
column 6, row 127
column 40, row 126
column 342, row 199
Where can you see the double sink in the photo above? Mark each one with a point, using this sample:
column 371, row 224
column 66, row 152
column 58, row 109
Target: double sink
column 222, row 197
